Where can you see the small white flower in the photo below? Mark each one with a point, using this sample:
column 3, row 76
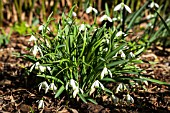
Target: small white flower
column 96, row 84
column 32, row 38
column 53, row 87
column 90, row 9
column 49, row 69
column 153, row 4
column 75, row 92
column 131, row 55
column 75, row 87
column 42, row 68
column 74, row 14
column 120, row 33
column 105, row 17
column 121, row 87
column 122, row 54
column 82, row 27
column 129, row 99
column 35, row 50
column 105, row 49
column 42, row 27
column 73, row 84
column 40, row 104
column 121, row 6
column 105, row 71
column 115, row 99
column 44, row 85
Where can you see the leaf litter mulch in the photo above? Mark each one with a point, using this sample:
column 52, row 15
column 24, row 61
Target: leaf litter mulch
column 19, row 93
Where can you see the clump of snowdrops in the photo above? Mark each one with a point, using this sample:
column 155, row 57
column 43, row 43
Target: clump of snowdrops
column 84, row 61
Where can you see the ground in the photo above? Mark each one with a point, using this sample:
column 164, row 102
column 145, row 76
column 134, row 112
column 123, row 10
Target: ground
column 19, row 94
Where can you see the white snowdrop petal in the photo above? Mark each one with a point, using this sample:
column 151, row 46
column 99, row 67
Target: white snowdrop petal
column 92, row 90
column 96, row 83
column 95, row 10
column 42, row 68
column 110, row 73
column 82, row 27
column 40, row 104
column 123, row 54
column 128, row 8
column 120, row 33
column 151, row 5
column 104, row 17
column 156, row 5
column 114, row 19
column 109, row 19
column 41, row 27
column 74, row 14
column 101, row 85
column 89, row 9
column 32, row 38
column 104, row 71
column 75, row 92
column 35, row 50
column 73, row 84
column 118, row 7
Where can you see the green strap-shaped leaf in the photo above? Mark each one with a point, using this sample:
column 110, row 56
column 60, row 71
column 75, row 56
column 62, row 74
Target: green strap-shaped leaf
column 166, row 26
column 51, row 77
column 82, row 98
column 61, row 89
column 137, row 14
column 111, row 54
column 92, row 100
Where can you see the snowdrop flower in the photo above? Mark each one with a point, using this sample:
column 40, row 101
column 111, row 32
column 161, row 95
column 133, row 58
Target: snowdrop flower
column 129, row 99
column 42, row 68
column 115, row 99
column 53, row 87
column 44, row 85
column 121, row 87
column 105, row 17
column 42, row 27
column 105, row 49
column 120, row 33
column 131, row 55
column 95, row 85
column 121, row 6
column 82, row 27
column 49, row 68
column 90, row 9
column 35, row 50
column 153, row 4
column 40, row 104
column 75, row 92
column 122, row 54
column 105, row 71
column 73, row 84
column 32, row 38
column 74, row 14
column 39, row 67
column 75, row 87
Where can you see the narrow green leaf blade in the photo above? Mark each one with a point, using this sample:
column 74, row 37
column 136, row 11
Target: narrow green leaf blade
column 61, row 89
